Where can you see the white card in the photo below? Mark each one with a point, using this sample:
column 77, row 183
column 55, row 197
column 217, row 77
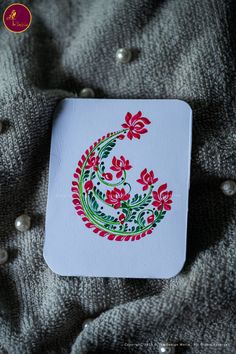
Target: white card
column 118, row 188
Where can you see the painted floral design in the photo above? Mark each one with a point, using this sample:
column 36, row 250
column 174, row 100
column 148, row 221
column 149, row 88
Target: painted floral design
column 116, row 197
column 108, row 176
column 135, row 125
column 120, row 165
column 162, row 198
column 92, row 162
column 147, row 179
column 122, row 218
column 150, row 219
column 88, row 186
column 102, row 193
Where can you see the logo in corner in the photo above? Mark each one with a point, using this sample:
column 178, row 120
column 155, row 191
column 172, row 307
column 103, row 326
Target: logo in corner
column 17, row 18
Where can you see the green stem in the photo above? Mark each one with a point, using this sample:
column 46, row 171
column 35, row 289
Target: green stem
column 123, row 228
column 98, row 217
column 102, row 200
column 139, row 215
column 129, row 187
column 103, row 148
column 131, row 206
column 111, row 184
column 99, row 172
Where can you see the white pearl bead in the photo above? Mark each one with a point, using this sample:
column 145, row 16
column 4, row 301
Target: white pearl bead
column 86, row 322
column 166, row 349
column 123, row 55
column 228, row 187
column 87, row 93
column 3, row 256
column 1, row 126
column 23, row 222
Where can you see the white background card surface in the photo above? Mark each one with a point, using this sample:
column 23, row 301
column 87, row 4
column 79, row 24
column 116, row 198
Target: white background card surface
column 118, row 188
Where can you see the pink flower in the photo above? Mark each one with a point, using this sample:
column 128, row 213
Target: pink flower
column 116, row 196
column 147, row 179
column 162, row 199
column 150, row 219
column 88, row 186
column 92, row 162
column 135, row 124
column 122, row 218
column 120, row 165
column 108, row 176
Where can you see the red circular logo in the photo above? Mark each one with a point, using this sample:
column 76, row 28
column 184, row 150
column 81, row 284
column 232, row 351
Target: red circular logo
column 17, row 18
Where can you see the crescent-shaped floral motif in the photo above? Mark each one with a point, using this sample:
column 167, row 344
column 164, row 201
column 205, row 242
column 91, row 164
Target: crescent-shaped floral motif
column 102, row 194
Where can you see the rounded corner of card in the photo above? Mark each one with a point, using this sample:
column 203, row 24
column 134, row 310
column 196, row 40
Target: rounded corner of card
column 184, row 104
column 177, row 270
column 50, row 263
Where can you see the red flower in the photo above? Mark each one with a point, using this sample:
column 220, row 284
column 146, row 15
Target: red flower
column 120, row 165
column 116, row 196
column 147, row 179
column 108, row 176
column 122, row 218
column 121, row 136
column 135, row 124
column 93, row 162
column 162, row 199
column 150, row 219
column 88, row 186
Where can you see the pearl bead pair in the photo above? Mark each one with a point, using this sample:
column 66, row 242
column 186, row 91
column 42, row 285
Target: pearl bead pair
column 123, row 55
column 22, row 223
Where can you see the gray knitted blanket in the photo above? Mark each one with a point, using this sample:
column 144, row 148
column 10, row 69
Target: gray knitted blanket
column 181, row 49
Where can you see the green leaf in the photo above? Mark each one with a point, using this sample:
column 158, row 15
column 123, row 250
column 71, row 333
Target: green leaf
column 159, row 216
column 136, row 198
column 99, row 193
column 86, row 175
column 125, row 211
column 107, row 149
column 106, row 217
column 141, row 219
column 143, row 204
column 92, row 201
column 93, row 175
column 132, row 216
column 126, row 227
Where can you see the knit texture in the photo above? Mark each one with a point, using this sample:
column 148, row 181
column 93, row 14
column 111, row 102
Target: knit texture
column 181, row 49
